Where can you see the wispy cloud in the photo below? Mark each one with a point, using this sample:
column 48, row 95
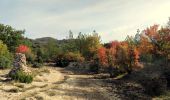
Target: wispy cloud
column 112, row 19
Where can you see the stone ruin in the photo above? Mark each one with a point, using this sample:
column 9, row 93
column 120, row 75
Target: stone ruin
column 19, row 64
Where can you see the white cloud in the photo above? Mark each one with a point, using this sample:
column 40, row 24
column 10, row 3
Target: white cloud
column 113, row 19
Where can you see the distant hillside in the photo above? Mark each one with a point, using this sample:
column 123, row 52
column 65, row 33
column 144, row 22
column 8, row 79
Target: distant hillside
column 45, row 40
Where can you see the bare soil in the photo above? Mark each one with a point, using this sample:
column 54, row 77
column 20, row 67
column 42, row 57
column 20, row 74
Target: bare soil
column 61, row 84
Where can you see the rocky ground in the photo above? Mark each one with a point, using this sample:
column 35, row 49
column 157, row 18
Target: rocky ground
column 62, row 84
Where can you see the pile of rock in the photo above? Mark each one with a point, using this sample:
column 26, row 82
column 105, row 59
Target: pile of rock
column 19, row 64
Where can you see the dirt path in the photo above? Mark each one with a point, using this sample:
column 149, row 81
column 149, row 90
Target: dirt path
column 57, row 84
column 53, row 83
column 73, row 87
column 82, row 87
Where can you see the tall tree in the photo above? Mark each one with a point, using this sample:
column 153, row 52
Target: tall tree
column 10, row 36
column 70, row 34
column 80, row 42
column 88, row 45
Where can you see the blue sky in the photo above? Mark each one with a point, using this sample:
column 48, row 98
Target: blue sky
column 112, row 19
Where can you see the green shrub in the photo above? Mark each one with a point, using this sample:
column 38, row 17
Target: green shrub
column 4, row 62
column 76, row 57
column 94, row 67
column 63, row 60
column 30, row 57
column 22, row 77
column 40, row 60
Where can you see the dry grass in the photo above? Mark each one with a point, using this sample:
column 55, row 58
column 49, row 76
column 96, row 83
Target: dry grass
column 29, row 88
column 13, row 90
column 19, row 85
column 51, row 93
column 39, row 98
column 45, row 70
column 43, row 86
column 38, row 80
column 39, row 71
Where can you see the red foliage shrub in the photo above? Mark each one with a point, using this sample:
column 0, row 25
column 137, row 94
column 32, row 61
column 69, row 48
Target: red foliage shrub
column 165, row 34
column 102, row 55
column 145, row 46
column 114, row 44
column 22, row 49
column 152, row 32
column 136, row 56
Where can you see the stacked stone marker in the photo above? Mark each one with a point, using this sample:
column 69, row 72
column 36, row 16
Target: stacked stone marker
column 19, row 64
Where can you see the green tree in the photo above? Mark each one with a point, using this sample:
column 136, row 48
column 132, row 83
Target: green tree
column 27, row 42
column 88, row 45
column 92, row 44
column 10, row 36
column 69, row 46
column 80, row 42
column 51, row 50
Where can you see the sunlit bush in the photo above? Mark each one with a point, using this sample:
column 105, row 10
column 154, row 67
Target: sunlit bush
column 4, row 62
column 63, row 60
column 5, row 56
